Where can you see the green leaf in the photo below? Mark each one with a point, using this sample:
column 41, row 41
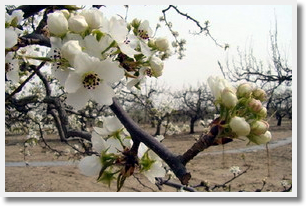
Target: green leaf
column 99, row 34
column 120, row 181
column 107, row 177
column 14, row 22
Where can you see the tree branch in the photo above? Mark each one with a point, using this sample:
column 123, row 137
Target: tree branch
column 205, row 141
column 164, row 153
column 24, row 82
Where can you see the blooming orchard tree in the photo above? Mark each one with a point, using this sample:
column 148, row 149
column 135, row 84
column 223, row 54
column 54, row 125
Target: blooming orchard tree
column 88, row 57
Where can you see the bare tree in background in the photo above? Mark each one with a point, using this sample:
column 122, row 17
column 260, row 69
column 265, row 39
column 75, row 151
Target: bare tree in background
column 196, row 102
column 276, row 76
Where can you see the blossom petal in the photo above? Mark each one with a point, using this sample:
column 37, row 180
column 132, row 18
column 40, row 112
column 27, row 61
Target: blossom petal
column 114, row 145
column 145, row 49
column 90, row 165
column 56, row 42
column 13, row 76
column 126, row 49
column 73, row 82
column 112, row 123
column 142, row 150
column 60, row 74
column 103, row 94
column 10, row 38
column 94, row 47
column 109, row 71
column 84, row 63
column 79, row 99
column 98, row 143
column 101, row 131
column 118, row 29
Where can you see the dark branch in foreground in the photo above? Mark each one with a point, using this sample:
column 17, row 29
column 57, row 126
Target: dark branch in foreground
column 205, row 141
column 160, row 182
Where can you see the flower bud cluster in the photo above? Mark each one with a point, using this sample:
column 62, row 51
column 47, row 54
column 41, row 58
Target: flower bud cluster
column 241, row 109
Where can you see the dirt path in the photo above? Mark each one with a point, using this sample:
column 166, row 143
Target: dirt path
column 209, row 166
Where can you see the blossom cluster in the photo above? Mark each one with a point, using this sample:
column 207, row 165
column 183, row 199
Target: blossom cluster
column 171, row 129
column 241, row 111
column 114, row 159
column 11, row 39
column 11, row 27
column 90, row 52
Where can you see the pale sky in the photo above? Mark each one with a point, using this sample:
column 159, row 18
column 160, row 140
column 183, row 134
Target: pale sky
column 238, row 25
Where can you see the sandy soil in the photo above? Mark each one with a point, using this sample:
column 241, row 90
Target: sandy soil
column 211, row 168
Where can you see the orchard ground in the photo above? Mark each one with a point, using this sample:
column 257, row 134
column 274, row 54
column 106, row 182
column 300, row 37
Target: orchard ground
column 208, row 166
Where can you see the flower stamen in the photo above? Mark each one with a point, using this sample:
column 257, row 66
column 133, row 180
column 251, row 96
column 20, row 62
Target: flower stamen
column 143, row 34
column 91, row 80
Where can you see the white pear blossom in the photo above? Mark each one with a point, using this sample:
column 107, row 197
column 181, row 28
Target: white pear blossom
column 91, row 80
column 15, row 18
column 111, row 124
column 144, row 30
column 217, row 85
column 117, row 29
column 235, row 170
column 57, row 23
column 92, row 165
column 11, row 30
column 11, row 68
column 144, row 33
column 152, row 166
column 140, row 78
column 61, row 66
column 77, row 24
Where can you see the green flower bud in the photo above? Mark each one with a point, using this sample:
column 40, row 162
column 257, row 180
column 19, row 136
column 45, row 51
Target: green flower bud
column 260, row 94
column 259, row 127
column 255, row 105
column 57, row 23
column 263, row 112
column 77, row 24
column 261, row 139
column 135, row 23
column 228, row 98
column 157, row 66
column 244, row 90
column 162, row 44
column 240, row 126
column 66, row 13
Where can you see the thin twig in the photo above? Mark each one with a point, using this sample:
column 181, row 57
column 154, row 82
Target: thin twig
column 18, row 89
column 235, row 177
column 138, row 180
